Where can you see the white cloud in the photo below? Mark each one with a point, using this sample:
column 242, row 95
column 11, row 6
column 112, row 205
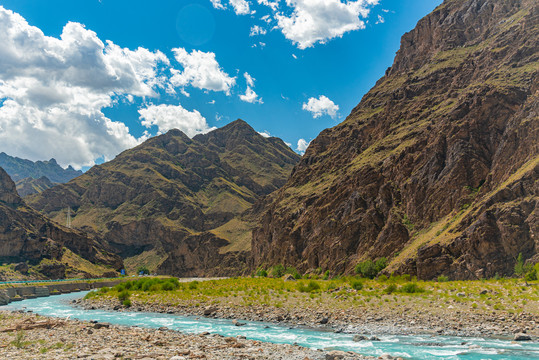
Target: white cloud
column 302, row 146
column 167, row 117
column 54, row 90
column 241, row 7
column 274, row 5
column 294, row 56
column 315, row 21
column 201, row 70
column 265, row 134
column 321, row 106
column 250, row 95
column 380, row 19
column 217, row 4
column 257, row 30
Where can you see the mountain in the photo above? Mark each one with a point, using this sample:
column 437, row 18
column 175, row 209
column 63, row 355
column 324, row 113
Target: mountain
column 29, row 186
column 46, row 249
column 177, row 205
column 19, row 169
column 436, row 168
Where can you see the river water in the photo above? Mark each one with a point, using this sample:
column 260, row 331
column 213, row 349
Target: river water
column 409, row 347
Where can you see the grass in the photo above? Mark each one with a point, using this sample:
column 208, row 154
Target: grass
column 339, row 294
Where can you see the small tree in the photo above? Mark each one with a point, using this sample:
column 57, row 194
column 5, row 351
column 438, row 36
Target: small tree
column 519, row 266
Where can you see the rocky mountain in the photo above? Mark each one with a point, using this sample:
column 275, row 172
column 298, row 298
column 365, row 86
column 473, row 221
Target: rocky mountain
column 29, row 186
column 19, row 169
column 177, row 205
column 437, row 168
column 43, row 248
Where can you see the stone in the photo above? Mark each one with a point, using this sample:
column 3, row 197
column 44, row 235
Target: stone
column 289, row 277
column 522, row 337
column 358, row 338
column 335, row 355
column 324, row 321
column 209, row 310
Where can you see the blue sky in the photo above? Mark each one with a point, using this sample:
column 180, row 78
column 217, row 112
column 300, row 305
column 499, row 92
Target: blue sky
column 84, row 80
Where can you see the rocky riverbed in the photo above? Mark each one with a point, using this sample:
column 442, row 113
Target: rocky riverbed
column 72, row 339
column 424, row 318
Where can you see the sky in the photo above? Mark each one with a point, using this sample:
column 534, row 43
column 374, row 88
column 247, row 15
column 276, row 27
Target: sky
column 81, row 81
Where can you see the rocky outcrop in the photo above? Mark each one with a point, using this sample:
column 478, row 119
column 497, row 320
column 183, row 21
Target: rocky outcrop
column 27, row 236
column 156, row 204
column 436, row 168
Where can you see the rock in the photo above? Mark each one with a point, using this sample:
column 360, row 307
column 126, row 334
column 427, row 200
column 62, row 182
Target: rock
column 522, row 337
column 461, row 294
column 289, row 277
column 483, row 292
column 386, row 357
column 374, row 338
column 101, row 325
column 335, row 355
column 358, row 338
column 209, row 310
column 238, row 323
column 21, row 267
column 324, row 321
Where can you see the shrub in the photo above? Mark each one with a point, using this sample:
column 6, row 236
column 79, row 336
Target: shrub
column 442, row 278
column 123, row 295
column 261, row 272
column 531, row 275
column 390, row 289
column 356, row 285
column 411, row 288
column 193, row 285
column 126, row 303
column 277, row 271
column 326, row 275
column 311, row 286
column 370, row 269
column 382, row 278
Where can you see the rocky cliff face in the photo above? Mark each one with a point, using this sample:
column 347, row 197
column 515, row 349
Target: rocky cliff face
column 29, row 186
column 175, row 204
column 27, row 236
column 436, row 168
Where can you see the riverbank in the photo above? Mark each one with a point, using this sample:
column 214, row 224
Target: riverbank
column 500, row 308
column 72, row 339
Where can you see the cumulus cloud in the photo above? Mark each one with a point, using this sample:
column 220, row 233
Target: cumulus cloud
column 217, row 4
column 250, row 95
column 241, row 7
column 201, row 70
column 274, row 5
column 53, row 90
column 322, row 105
column 167, row 117
column 314, row 21
column 302, row 146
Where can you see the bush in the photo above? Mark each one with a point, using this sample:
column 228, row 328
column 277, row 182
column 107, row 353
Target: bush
column 411, row 288
column 261, row 272
column 326, row 275
column 123, row 295
column 311, row 286
column 278, row 271
column 356, row 285
column 126, row 303
column 442, row 278
column 531, row 275
column 193, row 285
column 390, row 289
column 382, row 278
column 370, row 269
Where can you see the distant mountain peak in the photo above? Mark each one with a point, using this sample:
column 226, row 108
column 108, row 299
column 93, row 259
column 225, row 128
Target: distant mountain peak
column 19, row 169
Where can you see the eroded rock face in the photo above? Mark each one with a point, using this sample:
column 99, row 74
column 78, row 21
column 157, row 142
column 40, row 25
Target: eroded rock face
column 171, row 192
column 26, row 235
column 436, row 168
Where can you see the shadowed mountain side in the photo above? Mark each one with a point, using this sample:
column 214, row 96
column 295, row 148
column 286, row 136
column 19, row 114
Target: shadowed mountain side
column 153, row 202
column 437, row 166
column 27, row 236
